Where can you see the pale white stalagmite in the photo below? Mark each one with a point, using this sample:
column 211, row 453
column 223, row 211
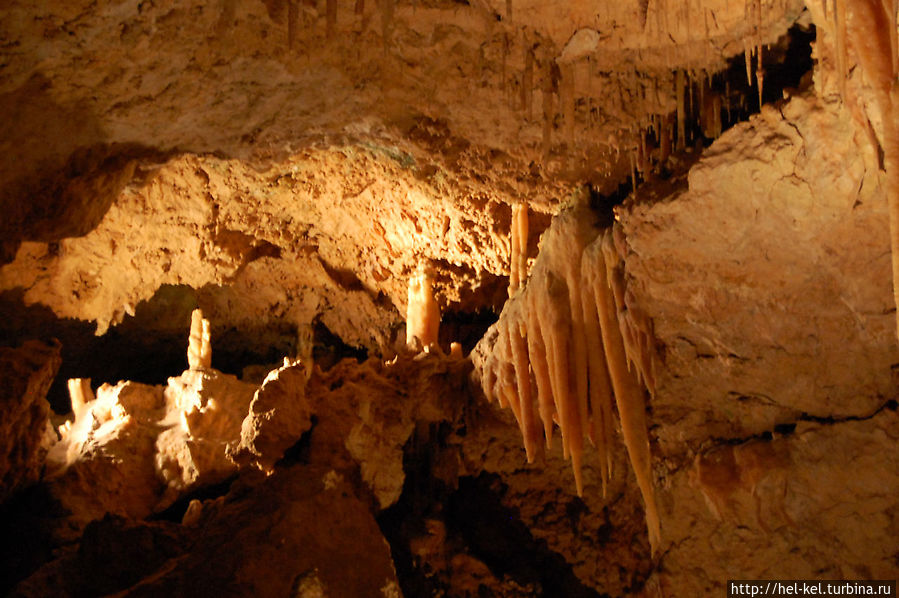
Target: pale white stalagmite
column 519, row 251
column 80, row 394
column 199, row 348
column 422, row 312
column 629, row 396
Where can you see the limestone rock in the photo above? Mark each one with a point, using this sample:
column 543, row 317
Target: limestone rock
column 819, row 502
column 756, row 315
column 104, row 461
column 279, row 414
column 26, row 373
column 278, row 536
column 205, row 409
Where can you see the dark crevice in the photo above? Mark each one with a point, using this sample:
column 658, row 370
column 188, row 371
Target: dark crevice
column 175, row 512
column 477, row 525
column 788, row 428
column 466, row 328
column 496, row 535
column 151, row 346
column 787, row 66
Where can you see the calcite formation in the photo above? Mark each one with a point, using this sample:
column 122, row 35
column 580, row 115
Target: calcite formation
column 346, row 190
column 570, row 326
column 422, row 311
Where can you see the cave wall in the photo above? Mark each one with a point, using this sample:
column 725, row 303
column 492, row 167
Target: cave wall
column 285, row 165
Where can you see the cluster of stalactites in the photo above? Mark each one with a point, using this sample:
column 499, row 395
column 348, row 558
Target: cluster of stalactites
column 566, row 346
column 199, row 347
column 422, row 311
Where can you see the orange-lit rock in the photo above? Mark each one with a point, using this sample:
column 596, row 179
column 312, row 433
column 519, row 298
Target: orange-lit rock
column 25, row 430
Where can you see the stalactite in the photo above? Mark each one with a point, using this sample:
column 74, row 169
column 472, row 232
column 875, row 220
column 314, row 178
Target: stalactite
column 568, row 102
column 359, row 9
column 873, row 31
column 518, row 262
column 839, row 16
column 293, row 15
column 527, row 83
column 747, row 55
column 628, row 394
column 565, row 345
column 422, row 312
column 681, row 110
column 330, row 18
column 664, row 141
column 199, row 348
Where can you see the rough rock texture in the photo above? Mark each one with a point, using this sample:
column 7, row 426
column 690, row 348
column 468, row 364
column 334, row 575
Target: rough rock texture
column 782, row 307
column 288, row 165
column 818, row 503
column 208, row 409
column 25, row 430
column 136, row 448
column 369, row 412
column 330, row 234
column 281, row 536
column 278, row 416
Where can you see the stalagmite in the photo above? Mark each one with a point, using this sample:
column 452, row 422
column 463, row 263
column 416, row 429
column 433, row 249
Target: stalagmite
column 199, row 349
column 80, row 394
column 422, row 312
column 519, row 251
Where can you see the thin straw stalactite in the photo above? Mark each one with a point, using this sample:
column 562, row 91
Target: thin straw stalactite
column 569, row 343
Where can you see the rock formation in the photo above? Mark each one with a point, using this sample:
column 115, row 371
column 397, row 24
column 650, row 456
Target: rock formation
column 448, row 246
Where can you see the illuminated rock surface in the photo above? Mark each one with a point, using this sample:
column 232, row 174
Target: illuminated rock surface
column 293, row 168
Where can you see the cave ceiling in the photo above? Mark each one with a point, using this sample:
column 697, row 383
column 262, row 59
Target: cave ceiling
column 296, row 160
